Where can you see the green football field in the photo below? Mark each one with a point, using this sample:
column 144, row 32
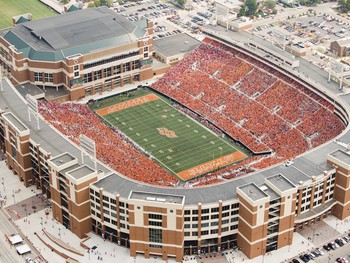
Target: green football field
column 177, row 142
column 10, row 8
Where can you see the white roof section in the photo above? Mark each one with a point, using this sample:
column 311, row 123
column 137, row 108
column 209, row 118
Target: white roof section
column 24, row 249
column 15, row 239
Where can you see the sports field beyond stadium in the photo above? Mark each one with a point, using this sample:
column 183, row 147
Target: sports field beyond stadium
column 178, row 143
column 10, row 8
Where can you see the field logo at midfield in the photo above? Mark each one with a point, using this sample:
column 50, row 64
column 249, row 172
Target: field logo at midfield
column 127, row 104
column 166, row 132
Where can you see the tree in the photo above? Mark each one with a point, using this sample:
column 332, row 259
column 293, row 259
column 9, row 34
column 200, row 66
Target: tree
column 181, row 2
column 249, row 8
column 65, row 1
column 270, row 4
column 344, row 6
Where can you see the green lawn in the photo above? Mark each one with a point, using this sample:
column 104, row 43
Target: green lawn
column 10, row 8
column 192, row 146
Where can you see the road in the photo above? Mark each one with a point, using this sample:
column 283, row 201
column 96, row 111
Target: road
column 7, row 254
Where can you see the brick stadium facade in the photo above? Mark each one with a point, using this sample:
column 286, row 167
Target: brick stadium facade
column 60, row 53
column 258, row 217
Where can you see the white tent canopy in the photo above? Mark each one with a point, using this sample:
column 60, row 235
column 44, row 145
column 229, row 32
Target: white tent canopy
column 21, row 250
column 15, row 239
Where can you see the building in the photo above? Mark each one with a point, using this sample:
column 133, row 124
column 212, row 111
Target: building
column 173, row 49
column 258, row 217
column 83, row 52
column 340, row 47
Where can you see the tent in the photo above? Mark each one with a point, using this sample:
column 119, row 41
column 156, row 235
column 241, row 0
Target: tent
column 15, row 239
column 21, row 250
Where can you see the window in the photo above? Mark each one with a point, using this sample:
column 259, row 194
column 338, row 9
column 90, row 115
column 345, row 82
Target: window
column 109, row 60
column 214, row 216
column 215, row 209
column 155, row 223
column 226, row 207
column 14, row 152
column 205, row 218
column 107, row 72
column 213, row 231
column 145, row 55
column 87, row 77
column 145, row 49
column 204, row 224
column 205, row 211
column 76, row 74
column 226, row 214
column 135, row 64
column 155, row 236
column 98, row 74
column 48, row 77
column 126, row 67
column 38, row 76
column 117, row 70
column 205, row 232
column 154, row 216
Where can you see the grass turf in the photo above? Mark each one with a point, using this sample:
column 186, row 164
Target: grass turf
column 10, row 8
column 192, row 146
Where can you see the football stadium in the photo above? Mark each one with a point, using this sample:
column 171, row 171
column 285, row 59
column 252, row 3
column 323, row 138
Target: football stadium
column 232, row 147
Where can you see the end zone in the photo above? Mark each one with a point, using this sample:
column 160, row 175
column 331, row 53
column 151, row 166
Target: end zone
column 127, row 104
column 211, row 165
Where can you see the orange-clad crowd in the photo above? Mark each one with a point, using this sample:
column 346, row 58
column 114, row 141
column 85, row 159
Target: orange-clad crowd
column 112, row 146
column 253, row 103
column 230, row 92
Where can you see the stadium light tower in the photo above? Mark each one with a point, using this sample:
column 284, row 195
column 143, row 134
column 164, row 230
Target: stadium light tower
column 88, row 148
column 279, row 38
column 336, row 69
column 33, row 109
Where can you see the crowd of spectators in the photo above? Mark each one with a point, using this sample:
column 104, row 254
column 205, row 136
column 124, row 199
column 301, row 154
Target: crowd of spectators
column 112, row 146
column 229, row 92
column 253, row 103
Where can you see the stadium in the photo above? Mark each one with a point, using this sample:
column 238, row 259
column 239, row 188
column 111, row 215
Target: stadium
column 230, row 148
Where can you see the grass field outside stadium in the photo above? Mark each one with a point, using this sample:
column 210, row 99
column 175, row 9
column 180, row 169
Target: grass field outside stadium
column 10, row 8
column 180, row 144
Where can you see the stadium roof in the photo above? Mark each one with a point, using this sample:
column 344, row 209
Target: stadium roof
column 173, row 45
column 79, row 32
column 312, row 163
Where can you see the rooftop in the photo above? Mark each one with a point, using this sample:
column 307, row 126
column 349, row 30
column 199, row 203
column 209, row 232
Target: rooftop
column 30, row 89
column 253, row 191
column 79, row 32
column 173, row 45
column 62, row 159
column 16, row 122
column 341, row 155
column 161, row 198
column 280, row 182
column 81, row 171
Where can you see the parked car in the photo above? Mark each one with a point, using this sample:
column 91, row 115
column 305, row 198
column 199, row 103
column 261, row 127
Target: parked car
column 304, row 258
column 327, row 247
column 339, row 242
column 320, row 251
